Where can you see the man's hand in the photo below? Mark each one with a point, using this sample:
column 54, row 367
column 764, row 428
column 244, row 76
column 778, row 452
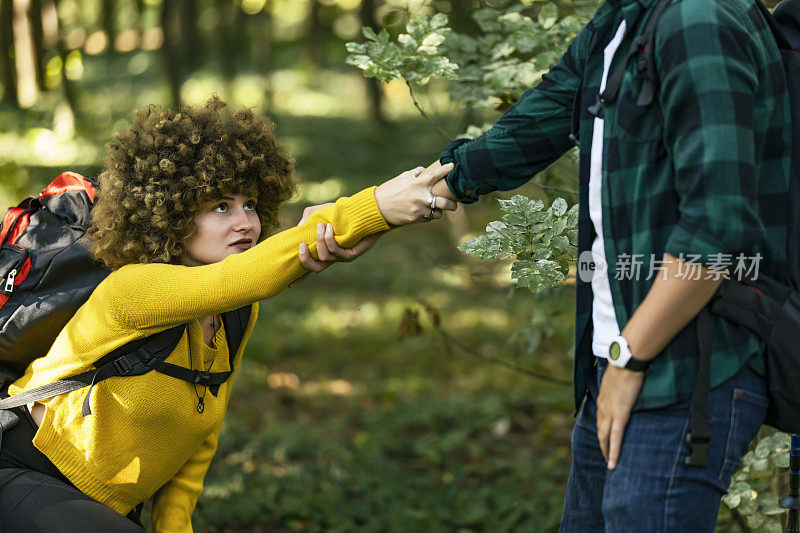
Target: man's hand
column 440, row 188
column 673, row 301
column 618, row 392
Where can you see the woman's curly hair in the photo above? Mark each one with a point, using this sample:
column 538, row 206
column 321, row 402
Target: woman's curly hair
column 166, row 166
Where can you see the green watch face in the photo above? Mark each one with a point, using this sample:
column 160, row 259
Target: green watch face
column 613, row 351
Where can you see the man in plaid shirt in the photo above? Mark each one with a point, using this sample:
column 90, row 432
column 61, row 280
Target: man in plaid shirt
column 699, row 177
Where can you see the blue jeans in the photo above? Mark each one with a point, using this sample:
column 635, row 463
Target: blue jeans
column 652, row 489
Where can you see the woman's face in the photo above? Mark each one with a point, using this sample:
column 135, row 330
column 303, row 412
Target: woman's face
column 226, row 226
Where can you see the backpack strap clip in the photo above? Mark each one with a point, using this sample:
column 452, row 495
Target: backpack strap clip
column 699, row 435
column 202, row 378
column 698, row 446
column 122, row 366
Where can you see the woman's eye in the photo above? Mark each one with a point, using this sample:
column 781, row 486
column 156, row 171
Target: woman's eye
column 221, row 208
column 251, row 205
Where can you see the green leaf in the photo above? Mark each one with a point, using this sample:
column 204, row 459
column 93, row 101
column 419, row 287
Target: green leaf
column 439, row 20
column 496, row 227
column 559, row 206
column 502, row 50
column 487, row 19
column 573, row 237
column 369, row 33
column 732, row 500
column 780, row 460
column 770, row 525
column 515, row 219
column 415, row 29
column 760, row 481
column 572, row 216
column 560, row 242
column 760, row 465
column 772, row 508
column 747, row 506
column 548, row 14
column 763, row 448
column 741, row 488
column 535, row 204
column 755, row 520
column 360, row 61
column 559, row 225
column 407, row 41
column 356, row 48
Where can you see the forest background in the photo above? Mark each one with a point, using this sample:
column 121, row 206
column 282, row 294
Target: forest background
column 419, row 388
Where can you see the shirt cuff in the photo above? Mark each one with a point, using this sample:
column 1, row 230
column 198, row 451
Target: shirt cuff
column 696, row 244
column 458, row 180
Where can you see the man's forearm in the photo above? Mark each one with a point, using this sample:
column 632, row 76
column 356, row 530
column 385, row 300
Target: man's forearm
column 672, row 302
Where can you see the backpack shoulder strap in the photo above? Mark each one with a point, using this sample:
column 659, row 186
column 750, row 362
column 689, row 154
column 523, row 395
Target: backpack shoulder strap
column 642, row 46
column 139, row 357
column 124, row 361
column 785, row 19
column 699, row 435
column 235, row 325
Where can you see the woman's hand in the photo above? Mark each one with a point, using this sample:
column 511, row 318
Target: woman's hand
column 407, row 198
column 328, row 250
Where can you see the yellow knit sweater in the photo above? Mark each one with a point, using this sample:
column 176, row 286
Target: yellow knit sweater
column 145, row 436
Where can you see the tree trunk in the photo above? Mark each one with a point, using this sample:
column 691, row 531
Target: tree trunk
column 192, row 49
column 262, row 47
column 227, row 48
column 170, row 27
column 109, row 8
column 140, row 7
column 6, row 47
column 374, row 91
column 37, row 34
column 314, row 40
column 66, row 84
column 461, row 17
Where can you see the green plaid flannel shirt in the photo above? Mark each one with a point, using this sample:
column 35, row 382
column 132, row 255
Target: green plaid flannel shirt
column 702, row 171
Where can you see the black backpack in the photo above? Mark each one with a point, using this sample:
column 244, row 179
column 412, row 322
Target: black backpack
column 47, row 273
column 768, row 308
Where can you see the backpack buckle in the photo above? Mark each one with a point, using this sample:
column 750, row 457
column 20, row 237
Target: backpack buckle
column 596, row 109
column 698, row 451
column 122, row 366
column 202, row 378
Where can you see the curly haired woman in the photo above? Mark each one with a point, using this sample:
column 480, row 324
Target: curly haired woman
column 186, row 204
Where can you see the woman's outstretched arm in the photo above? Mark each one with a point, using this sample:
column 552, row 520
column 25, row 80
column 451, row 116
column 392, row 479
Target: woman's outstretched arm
column 162, row 295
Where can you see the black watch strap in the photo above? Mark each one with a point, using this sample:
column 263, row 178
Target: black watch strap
column 637, row 365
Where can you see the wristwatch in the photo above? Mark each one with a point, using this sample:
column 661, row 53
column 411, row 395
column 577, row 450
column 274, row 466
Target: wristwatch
column 619, row 354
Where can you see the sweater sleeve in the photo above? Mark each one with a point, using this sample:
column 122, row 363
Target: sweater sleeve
column 163, row 295
column 174, row 502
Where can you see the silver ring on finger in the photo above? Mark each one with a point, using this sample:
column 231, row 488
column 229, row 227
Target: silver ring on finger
column 432, row 203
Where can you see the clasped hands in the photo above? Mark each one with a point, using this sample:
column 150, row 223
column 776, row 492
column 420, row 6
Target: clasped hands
column 418, row 195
